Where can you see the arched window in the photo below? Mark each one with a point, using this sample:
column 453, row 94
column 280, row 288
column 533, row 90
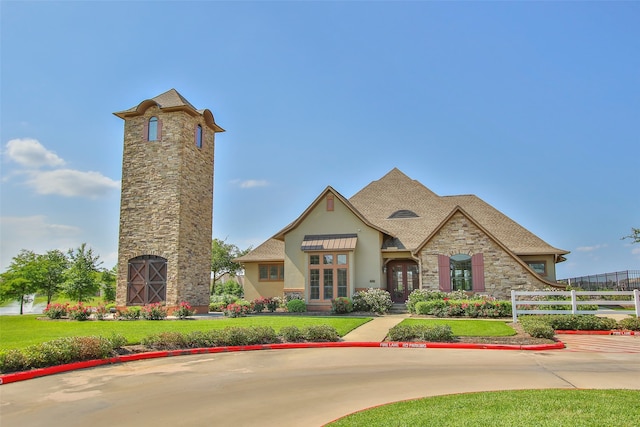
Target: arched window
column 152, row 132
column 199, row 136
column 461, row 272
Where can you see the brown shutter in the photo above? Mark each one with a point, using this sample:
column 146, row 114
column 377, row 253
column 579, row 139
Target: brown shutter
column 145, row 134
column 159, row 138
column 444, row 273
column 477, row 272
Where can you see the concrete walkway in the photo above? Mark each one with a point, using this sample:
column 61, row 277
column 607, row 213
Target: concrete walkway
column 375, row 330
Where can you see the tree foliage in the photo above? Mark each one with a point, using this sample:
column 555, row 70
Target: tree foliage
column 108, row 284
column 81, row 281
column 222, row 259
column 51, row 268
column 634, row 236
column 20, row 279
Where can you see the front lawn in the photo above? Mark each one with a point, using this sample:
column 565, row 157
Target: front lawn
column 469, row 327
column 588, row 408
column 22, row 331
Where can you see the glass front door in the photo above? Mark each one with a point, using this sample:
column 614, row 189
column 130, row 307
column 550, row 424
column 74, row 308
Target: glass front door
column 402, row 279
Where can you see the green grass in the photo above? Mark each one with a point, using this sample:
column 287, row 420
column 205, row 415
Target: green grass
column 469, row 327
column 534, row 408
column 22, row 331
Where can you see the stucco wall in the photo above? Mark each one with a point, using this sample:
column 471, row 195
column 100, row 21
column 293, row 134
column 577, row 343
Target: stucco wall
column 253, row 288
column 365, row 265
column 502, row 272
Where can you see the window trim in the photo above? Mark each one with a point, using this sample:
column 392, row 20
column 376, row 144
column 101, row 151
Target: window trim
column 198, row 136
column 544, row 264
column 269, row 266
column 317, row 273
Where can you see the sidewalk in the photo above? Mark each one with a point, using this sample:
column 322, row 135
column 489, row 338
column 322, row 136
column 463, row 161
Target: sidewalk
column 376, row 330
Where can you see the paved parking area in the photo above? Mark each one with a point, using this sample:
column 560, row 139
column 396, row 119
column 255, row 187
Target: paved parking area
column 601, row 343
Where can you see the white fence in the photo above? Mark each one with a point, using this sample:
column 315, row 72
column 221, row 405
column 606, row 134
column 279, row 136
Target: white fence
column 574, row 302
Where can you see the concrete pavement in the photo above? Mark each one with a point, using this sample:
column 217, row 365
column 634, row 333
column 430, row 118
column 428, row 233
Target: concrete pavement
column 375, row 330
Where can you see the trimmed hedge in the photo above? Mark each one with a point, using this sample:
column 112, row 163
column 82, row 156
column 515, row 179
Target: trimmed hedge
column 430, row 333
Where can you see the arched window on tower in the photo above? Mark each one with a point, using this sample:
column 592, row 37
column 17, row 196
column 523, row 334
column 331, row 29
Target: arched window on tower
column 152, row 131
column 199, row 136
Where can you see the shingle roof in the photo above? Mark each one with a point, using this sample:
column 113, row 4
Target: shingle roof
column 271, row 250
column 395, row 191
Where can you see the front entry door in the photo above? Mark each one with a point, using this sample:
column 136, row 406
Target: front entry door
column 402, row 279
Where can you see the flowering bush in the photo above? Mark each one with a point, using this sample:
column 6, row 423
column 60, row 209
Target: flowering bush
column 101, row 312
column 128, row 313
column 373, row 299
column 155, row 311
column 274, row 303
column 79, row 312
column 464, row 308
column 237, row 309
column 259, row 304
column 341, row 305
column 56, row 311
column 184, row 310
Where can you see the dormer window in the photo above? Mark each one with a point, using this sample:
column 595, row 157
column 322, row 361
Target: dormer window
column 403, row 213
column 199, row 136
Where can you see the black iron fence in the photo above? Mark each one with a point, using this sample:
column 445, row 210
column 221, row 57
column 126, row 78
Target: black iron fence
column 619, row 281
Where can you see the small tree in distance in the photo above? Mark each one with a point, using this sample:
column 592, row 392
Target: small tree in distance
column 81, row 281
column 222, row 256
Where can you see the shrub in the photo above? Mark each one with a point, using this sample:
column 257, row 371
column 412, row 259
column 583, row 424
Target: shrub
column 421, row 295
column 155, row 311
column 128, row 313
column 341, row 305
column 402, row 332
column 273, row 304
column 320, row 333
column 376, row 300
column 579, row 322
column 291, row 333
column 537, row 328
column 431, row 333
column 427, row 307
column 79, row 312
column 220, row 302
column 296, row 306
column 184, row 310
column 630, row 323
column 238, row 309
column 165, row 340
column 56, row 311
column 359, row 304
column 262, row 335
column 259, row 304
column 59, row 351
column 101, row 312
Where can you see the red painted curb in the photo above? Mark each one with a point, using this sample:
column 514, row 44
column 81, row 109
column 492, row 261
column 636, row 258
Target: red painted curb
column 571, row 332
column 41, row 372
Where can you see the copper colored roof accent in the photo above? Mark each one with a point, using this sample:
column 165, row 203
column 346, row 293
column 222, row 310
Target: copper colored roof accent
column 329, row 242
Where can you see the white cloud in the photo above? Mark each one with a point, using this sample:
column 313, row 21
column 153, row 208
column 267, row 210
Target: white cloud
column 30, row 153
column 590, row 248
column 34, row 233
column 250, row 183
column 71, row 183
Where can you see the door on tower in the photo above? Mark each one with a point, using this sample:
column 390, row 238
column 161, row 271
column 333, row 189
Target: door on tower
column 402, row 279
column 147, row 280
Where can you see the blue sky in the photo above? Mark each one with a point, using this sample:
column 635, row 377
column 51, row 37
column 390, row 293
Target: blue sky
column 532, row 106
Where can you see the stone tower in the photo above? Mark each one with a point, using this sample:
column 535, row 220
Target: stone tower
column 166, row 208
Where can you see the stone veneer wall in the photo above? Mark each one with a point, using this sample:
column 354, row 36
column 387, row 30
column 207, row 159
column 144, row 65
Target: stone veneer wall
column 502, row 273
column 167, row 204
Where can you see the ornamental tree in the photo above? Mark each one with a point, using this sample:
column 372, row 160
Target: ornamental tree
column 222, row 260
column 20, row 279
column 81, row 280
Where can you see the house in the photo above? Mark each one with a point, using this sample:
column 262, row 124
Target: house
column 398, row 235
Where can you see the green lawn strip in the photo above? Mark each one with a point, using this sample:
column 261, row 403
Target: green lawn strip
column 22, row 331
column 554, row 407
column 469, row 327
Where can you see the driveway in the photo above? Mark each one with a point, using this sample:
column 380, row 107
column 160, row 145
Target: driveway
column 298, row 387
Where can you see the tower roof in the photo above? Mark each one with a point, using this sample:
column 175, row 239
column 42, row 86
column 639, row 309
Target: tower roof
column 170, row 100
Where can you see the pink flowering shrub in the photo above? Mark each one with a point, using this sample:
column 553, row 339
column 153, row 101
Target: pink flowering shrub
column 79, row 312
column 184, row 310
column 56, row 311
column 155, row 311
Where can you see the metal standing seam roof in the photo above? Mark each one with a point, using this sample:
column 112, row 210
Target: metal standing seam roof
column 329, row 242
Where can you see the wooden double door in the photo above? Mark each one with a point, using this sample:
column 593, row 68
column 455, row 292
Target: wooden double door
column 147, row 280
column 402, row 279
